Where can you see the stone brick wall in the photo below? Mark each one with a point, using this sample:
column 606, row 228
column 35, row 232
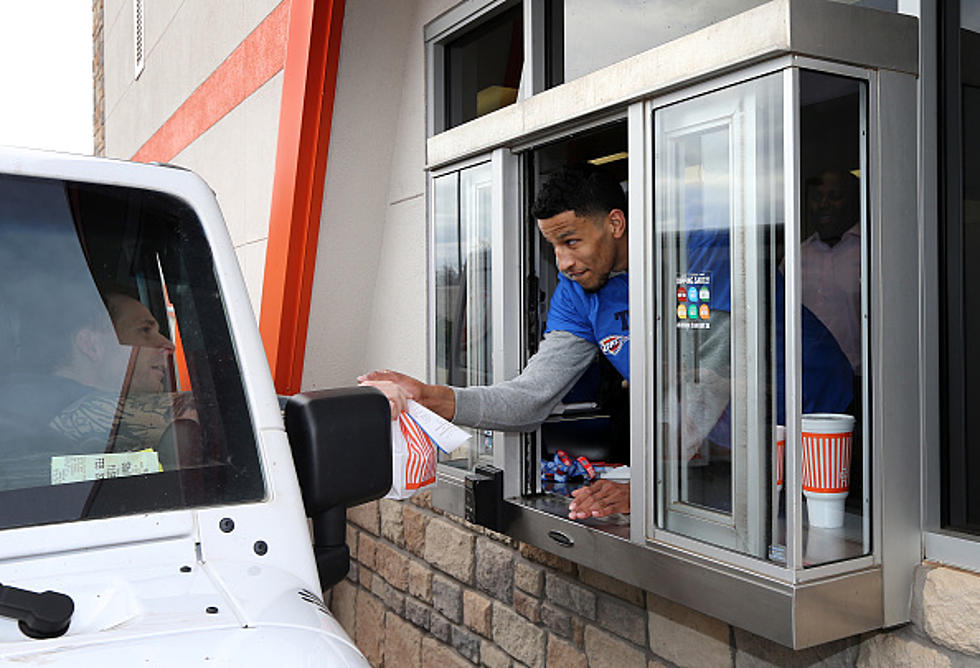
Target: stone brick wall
column 98, row 76
column 429, row 589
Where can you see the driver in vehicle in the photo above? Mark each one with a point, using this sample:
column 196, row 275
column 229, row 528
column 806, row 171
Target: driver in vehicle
column 97, row 380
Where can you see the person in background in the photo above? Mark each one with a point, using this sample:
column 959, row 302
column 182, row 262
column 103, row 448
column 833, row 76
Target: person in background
column 830, row 258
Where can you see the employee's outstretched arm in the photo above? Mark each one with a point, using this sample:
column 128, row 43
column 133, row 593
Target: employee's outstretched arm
column 437, row 398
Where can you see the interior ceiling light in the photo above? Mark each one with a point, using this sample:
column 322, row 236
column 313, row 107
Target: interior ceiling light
column 612, row 157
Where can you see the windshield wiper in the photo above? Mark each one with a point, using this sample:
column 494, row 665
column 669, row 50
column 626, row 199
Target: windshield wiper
column 44, row 615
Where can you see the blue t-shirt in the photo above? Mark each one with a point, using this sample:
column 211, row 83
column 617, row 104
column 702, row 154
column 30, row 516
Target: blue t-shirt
column 600, row 317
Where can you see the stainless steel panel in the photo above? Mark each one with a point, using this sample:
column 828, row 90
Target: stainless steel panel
column 851, row 34
column 837, row 608
column 930, row 333
column 794, row 293
column 641, row 318
column 795, row 616
column 506, row 277
column 449, row 493
column 895, row 347
column 812, row 28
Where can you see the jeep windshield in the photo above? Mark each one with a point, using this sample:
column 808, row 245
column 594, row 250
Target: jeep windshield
column 120, row 391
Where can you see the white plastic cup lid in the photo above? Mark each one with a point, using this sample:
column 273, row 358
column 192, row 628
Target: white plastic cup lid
column 828, row 423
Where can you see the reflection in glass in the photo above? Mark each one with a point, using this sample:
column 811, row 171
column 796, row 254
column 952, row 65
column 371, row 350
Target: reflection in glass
column 98, row 416
column 721, row 393
column 462, row 218
column 718, row 202
column 834, row 459
column 445, row 213
column 483, row 67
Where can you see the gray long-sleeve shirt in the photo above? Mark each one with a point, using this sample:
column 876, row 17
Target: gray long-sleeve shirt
column 522, row 403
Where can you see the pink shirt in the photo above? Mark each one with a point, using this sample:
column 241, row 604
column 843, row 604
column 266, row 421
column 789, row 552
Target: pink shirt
column 832, row 288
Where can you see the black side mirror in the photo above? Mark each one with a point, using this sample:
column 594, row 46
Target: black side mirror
column 341, row 443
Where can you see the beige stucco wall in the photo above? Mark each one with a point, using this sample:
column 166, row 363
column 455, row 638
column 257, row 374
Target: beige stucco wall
column 369, row 303
column 237, row 158
column 185, row 43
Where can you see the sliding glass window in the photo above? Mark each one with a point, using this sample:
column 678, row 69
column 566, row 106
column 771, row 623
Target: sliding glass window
column 723, row 285
column 461, row 213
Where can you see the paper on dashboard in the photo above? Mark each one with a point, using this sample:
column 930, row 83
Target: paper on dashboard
column 443, row 433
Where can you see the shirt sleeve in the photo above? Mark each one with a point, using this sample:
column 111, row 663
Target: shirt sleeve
column 569, row 311
column 522, row 403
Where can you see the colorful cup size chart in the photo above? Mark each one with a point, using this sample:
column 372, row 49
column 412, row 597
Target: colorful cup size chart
column 694, row 301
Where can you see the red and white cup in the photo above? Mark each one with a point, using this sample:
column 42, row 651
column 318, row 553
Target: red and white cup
column 827, row 442
column 780, row 456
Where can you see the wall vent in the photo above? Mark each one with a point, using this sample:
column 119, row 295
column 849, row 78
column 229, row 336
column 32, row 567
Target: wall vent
column 139, row 43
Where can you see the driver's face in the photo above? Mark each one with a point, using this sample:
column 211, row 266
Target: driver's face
column 135, row 326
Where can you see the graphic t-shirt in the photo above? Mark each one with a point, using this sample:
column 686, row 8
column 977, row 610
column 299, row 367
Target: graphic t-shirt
column 600, row 317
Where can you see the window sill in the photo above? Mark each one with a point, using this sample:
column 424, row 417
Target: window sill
column 952, row 549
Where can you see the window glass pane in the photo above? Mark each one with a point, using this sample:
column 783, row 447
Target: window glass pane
column 483, row 67
column 718, row 190
column 835, row 459
column 721, row 397
column 962, row 490
column 445, row 208
column 462, row 217
column 971, row 249
column 120, row 390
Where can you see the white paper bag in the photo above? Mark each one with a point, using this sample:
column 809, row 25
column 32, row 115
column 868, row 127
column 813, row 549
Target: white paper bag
column 413, row 458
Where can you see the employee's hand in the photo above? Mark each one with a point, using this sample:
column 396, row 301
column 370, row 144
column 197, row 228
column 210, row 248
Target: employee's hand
column 397, row 396
column 413, row 388
column 603, row 497
column 439, row 399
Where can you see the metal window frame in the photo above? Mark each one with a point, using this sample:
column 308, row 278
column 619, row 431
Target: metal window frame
column 860, row 582
column 505, row 279
column 642, row 302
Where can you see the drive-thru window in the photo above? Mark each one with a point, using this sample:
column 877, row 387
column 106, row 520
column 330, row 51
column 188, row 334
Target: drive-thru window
column 771, row 419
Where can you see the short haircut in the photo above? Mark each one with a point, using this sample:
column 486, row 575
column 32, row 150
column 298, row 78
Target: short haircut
column 50, row 311
column 849, row 183
column 583, row 188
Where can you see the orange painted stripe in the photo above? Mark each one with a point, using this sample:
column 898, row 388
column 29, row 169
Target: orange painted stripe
column 253, row 62
column 309, row 85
